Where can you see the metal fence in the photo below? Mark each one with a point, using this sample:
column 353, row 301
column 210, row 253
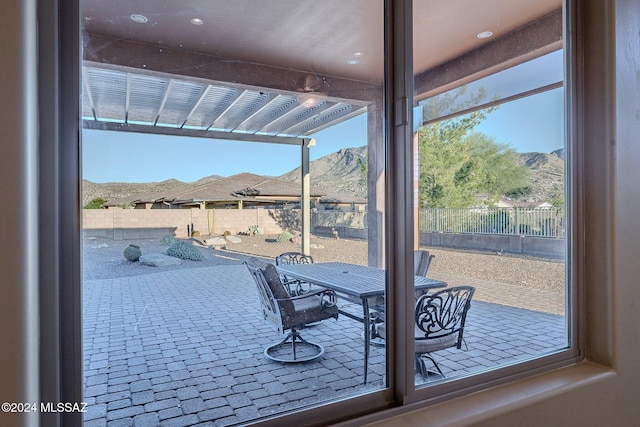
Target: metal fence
column 540, row 222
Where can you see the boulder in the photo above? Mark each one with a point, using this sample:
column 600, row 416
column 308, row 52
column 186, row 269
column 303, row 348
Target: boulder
column 233, row 239
column 159, row 260
column 216, row 241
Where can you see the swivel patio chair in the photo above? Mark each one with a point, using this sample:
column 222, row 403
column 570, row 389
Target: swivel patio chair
column 290, row 313
column 294, row 286
column 439, row 324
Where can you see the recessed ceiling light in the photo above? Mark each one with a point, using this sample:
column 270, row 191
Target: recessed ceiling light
column 357, row 54
column 197, row 21
column 485, row 35
column 140, row 19
column 353, row 61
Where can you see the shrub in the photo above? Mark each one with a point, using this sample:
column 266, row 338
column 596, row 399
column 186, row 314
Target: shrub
column 195, row 233
column 285, row 236
column 254, row 229
column 132, row 253
column 168, row 239
column 95, row 203
column 183, row 250
column 226, row 233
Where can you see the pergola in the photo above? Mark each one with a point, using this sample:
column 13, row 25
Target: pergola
column 182, row 69
column 126, row 99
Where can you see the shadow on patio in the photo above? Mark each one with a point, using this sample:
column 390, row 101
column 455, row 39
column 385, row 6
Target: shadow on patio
column 185, row 347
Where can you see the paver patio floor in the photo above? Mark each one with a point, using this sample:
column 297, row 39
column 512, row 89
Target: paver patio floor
column 185, row 347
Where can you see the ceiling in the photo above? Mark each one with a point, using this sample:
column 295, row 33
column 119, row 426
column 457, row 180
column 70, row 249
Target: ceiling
column 310, row 35
column 340, row 38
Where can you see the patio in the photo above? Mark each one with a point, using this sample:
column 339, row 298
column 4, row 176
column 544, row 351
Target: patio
column 184, row 347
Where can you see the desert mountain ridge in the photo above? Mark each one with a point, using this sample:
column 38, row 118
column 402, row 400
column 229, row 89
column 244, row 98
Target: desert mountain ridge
column 341, row 172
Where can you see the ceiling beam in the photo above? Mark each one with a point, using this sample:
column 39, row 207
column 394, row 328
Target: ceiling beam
column 112, row 53
column 531, row 41
column 176, row 131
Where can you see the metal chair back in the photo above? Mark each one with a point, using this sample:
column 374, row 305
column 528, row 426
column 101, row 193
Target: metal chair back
column 443, row 314
column 268, row 299
column 289, row 258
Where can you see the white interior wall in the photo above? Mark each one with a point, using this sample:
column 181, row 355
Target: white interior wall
column 18, row 213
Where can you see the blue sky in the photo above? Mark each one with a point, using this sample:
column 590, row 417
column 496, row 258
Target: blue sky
column 531, row 124
column 131, row 157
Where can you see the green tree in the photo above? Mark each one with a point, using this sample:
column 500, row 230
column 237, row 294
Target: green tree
column 95, row 203
column 498, row 172
column 457, row 165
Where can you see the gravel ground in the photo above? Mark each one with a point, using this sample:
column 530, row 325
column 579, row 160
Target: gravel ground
column 103, row 259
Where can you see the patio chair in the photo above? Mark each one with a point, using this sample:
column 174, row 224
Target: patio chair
column 421, row 262
column 290, row 313
column 294, row 286
column 439, row 324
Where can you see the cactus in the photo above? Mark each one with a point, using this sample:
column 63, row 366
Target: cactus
column 132, row 253
column 183, row 250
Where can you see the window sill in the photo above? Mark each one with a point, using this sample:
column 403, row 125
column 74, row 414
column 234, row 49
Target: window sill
column 486, row 404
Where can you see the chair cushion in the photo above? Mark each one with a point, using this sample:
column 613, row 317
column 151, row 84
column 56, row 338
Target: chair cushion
column 273, row 279
column 278, row 290
column 425, row 345
column 434, row 344
column 308, row 310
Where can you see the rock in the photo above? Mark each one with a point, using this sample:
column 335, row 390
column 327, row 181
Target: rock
column 159, row 260
column 216, row 241
column 233, row 239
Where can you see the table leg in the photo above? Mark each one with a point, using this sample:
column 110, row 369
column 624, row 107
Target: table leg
column 367, row 335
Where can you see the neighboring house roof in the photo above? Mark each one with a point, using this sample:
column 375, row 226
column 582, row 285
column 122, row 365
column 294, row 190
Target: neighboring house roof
column 342, row 198
column 504, row 202
column 147, row 197
column 244, row 186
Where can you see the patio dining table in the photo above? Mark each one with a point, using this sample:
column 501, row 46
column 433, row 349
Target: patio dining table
column 356, row 283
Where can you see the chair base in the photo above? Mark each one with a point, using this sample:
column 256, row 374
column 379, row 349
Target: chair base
column 422, row 366
column 377, row 341
column 294, row 349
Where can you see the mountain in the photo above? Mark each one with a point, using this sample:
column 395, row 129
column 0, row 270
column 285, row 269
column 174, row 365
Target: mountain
column 546, row 176
column 116, row 190
column 341, row 172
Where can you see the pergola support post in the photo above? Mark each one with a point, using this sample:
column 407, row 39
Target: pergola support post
column 306, row 191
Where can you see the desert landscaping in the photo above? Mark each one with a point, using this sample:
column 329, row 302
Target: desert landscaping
column 103, row 259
